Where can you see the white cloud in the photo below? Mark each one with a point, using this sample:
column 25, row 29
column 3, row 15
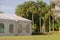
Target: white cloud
column 7, row 7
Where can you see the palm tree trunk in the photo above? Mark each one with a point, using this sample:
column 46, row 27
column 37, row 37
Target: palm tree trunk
column 59, row 29
column 49, row 25
column 40, row 25
column 43, row 27
column 32, row 19
column 53, row 25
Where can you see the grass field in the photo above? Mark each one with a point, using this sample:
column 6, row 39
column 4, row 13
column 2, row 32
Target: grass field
column 35, row 37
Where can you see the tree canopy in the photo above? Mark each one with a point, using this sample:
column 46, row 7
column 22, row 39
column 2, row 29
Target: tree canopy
column 36, row 11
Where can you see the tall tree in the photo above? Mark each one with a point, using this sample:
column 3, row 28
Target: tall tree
column 34, row 10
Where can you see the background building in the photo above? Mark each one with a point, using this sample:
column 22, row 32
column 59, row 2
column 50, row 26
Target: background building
column 56, row 9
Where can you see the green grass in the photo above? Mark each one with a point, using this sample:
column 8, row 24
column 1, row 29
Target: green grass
column 35, row 37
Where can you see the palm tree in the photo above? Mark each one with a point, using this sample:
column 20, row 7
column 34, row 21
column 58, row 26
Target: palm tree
column 31, row 8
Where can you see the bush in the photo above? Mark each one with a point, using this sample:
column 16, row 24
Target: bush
column 34, row 26
column 38, row 33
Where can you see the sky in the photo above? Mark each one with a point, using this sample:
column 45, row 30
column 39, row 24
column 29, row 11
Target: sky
column 9, row 6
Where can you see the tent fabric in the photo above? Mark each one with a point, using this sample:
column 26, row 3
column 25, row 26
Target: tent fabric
column 12, row 17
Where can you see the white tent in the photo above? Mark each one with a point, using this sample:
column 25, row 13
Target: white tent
column 14, row 25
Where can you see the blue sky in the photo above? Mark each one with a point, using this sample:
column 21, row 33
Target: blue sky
column 9, row 6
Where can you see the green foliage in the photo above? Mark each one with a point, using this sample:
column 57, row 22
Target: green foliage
column 34, row 26
column 25, row 8
column 38, row 9
column 57, row 25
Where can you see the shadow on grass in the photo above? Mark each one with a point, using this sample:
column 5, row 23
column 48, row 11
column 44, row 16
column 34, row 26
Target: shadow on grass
column 37, row 33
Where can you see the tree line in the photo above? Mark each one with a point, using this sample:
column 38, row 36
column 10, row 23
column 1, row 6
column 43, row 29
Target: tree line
column 40, row 13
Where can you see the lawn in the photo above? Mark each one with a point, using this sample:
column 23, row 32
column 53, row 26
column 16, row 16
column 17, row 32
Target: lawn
column 35, row 37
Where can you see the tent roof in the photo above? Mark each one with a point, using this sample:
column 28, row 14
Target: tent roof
column 12, row 17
